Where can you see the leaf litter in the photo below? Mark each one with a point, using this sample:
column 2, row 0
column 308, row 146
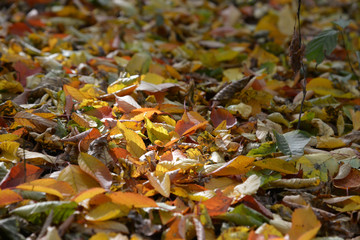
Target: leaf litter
column 177, row 120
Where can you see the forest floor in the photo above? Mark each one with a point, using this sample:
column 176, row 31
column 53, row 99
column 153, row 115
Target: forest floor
column 175, row 119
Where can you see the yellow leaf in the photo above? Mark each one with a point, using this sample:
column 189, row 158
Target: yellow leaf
column 74, row 93
column 329, row 142
column 202, row 195
column 355, row 117
column 8, row 150
column 8, row 137
column 95, row 168
column 153, row 78
column 324, row 86
column 48, row 185
column 156, row 132
column 10, row 86
column 134, row 143
column 277, row 164
column 100, row 236
column 269, row 23
column 173, row 72
column 238, row 165
column 304, row 224
column 107, row 211
column 87, row 194
column 263, row 56
column 77, row 178
column 8, row 196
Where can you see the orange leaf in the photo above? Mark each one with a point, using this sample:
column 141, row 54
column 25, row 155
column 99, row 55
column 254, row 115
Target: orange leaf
column 8, row 196
column 85, row 142
column 131, row 200
column 218, row 204
column 48, row 185
column 95, row 168
column 189, row 123
column 238, row 165
column 304, row 224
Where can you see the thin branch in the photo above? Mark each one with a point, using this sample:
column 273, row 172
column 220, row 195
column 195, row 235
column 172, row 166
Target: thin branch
column 348, row 57
column 302, row 68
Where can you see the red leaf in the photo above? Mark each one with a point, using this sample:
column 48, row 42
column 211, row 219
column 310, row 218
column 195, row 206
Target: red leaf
column 252, row 203
column 16, row 175
column 100, row 113
column 19, row 29
column 219, row 115
column 23, row 71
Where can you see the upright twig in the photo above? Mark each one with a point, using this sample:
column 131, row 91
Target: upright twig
column 348, row 57
column 296, row 53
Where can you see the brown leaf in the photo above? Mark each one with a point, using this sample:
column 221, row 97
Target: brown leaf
column 39, row 124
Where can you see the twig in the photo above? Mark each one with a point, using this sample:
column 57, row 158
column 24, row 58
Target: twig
column 348, row 57
column 302, row 68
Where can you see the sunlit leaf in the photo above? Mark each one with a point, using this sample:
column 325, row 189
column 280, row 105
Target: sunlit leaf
column 19, row 175
column 277, row 164
column 87, row 194
column 49, row 186
column 304, row 224
column 134, row 144
column 160, row 184
column 236, row 166
column 77, row 178
column 8, row 197
column 156, row 132
column 131, row 200
column 107, row 211
column 95, row 168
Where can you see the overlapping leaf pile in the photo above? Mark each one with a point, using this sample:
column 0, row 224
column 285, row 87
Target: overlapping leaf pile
column 109, row 129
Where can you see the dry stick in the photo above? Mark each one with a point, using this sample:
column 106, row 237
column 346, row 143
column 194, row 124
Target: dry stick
column 303, row 82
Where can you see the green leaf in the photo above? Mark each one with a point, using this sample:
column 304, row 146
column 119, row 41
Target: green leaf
column 292, row 143
column 342, row 23
column 9, row 229
column 282, row 144
column 243, row 215
column 325, row 101
column 264, row 150
column 36, row 213
column 3, row 171
column 139, row 63
column 323, row 44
